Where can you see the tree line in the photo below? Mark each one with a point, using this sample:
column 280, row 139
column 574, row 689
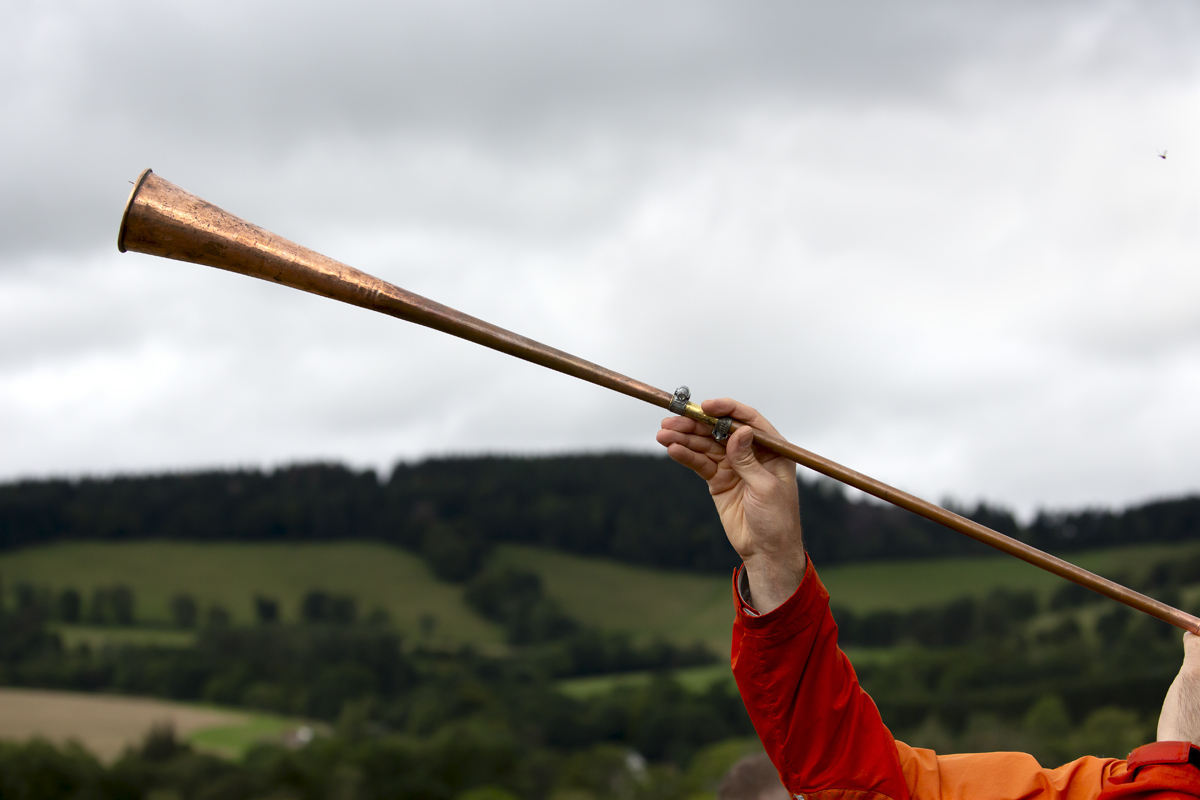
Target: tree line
column 633, row 508
column 117, row 605
column 468, row 761
column 108, row 605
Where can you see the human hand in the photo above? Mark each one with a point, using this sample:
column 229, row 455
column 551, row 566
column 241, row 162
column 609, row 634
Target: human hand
column 755, row 493
column 1180, row 717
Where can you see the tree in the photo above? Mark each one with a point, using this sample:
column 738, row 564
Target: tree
column 184, row 611
column 314, row 607
column 122, row 605
column 266, row 609
column 70, row 605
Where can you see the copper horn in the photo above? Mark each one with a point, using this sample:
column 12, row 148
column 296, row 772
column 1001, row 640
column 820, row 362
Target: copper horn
column 161, row 219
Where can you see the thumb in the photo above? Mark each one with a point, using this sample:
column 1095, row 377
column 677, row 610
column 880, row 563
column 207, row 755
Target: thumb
column 740, row 450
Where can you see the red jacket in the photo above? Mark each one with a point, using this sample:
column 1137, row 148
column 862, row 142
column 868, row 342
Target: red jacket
column 826, row 738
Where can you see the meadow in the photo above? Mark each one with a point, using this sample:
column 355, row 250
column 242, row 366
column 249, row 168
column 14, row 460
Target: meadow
column 231, row 575
column 644, row 602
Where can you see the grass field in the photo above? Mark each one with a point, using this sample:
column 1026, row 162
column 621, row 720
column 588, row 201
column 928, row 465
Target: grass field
column 107, row 724
column 645, row 602
column 904, row 585
column 233, row 740
column 686, row 607
column 694, row 679
column 231, row 575
column 75, row 635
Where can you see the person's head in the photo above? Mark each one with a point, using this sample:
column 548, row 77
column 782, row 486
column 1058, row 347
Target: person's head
column 752, row 778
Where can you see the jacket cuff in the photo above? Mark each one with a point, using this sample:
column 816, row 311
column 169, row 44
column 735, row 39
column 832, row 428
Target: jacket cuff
column 806, row 605
column 1162, row 753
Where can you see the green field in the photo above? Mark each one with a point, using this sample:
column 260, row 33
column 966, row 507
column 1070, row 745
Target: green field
column 903, row 585
column 694, row 679
column 232, row 741
column 645, row 602
column 231, row 575
column 687, row 607
column 620, row 597
column 76, row 635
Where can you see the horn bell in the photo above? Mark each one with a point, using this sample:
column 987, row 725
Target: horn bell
column 161, row 219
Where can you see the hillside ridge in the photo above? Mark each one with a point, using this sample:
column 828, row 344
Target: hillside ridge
column 639, row 509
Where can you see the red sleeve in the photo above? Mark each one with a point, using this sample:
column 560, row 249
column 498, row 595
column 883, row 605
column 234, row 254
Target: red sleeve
column 821, row 730
column 1159, row 771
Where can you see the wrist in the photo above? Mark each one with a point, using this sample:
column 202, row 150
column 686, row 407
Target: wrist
column 773, row 580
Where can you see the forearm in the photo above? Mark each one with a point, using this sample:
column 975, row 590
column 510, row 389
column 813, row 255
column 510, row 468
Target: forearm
column 818, row 726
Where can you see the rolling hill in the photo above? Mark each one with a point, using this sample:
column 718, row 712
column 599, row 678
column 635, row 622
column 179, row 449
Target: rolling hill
column 646, row 602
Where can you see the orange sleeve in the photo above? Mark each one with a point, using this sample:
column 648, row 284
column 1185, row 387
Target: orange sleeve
column 1158, row 771
column 1002, row 776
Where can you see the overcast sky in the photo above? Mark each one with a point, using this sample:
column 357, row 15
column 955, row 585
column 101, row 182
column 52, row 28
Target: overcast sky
column 934, row 241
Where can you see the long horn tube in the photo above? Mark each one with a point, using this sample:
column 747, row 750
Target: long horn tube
column 163, row 220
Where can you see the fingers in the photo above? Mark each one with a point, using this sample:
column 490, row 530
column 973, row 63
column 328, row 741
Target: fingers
column 703, row 451
column 689, row 444
column 700, row 443
column 699, row 463
column 740, row 449
column 684, row 425
column 728, row 407
column 722, row 407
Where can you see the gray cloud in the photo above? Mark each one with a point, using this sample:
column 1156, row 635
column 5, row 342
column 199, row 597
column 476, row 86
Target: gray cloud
column 931, row 240
column 233, row 93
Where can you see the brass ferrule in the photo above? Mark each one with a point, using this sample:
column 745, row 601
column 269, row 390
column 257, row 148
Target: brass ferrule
column 693, row 411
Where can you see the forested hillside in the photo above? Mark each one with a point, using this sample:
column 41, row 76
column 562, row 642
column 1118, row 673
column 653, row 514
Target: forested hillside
column 634, row 508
